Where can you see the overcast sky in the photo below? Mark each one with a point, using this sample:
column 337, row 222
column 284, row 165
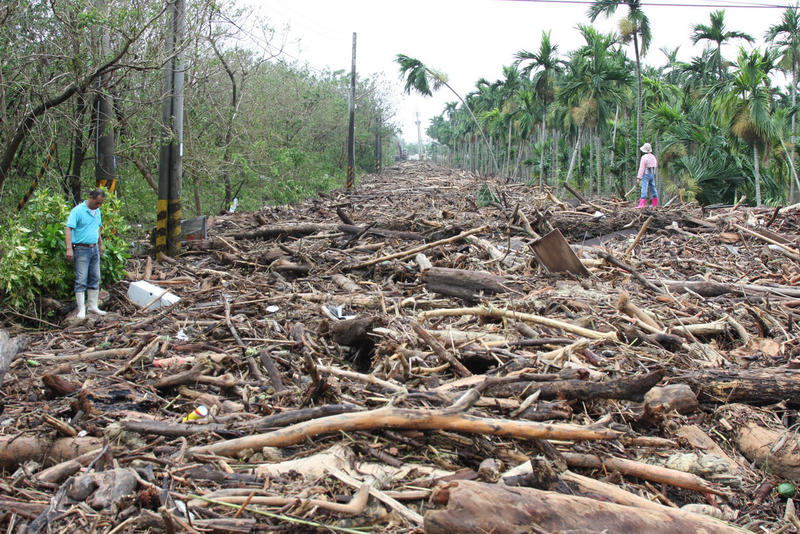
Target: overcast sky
column 472, row 39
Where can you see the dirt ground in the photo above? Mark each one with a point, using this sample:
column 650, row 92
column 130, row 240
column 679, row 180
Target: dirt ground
column 359, row 361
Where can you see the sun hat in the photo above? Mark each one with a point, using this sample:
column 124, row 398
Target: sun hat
column 646, row 148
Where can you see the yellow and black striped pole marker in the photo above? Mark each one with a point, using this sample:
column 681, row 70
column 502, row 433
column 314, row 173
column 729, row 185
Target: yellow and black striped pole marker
column 110, row 184
column 35, row 183
column 350, row 177
column 161, row 227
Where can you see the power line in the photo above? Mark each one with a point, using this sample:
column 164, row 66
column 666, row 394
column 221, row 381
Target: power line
column 666, row 4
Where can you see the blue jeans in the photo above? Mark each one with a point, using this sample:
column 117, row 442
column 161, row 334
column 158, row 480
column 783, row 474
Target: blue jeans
column 87, row 268
column 648, row 185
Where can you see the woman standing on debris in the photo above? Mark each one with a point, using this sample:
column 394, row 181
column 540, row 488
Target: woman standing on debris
column 647, row 175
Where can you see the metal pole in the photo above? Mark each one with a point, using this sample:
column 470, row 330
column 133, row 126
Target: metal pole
column 351, row 130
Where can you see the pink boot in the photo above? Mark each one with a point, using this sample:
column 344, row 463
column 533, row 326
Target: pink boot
column 654, row 202
column 641, row 203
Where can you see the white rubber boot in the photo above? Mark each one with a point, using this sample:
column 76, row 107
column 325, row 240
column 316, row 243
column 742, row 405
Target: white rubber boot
column 93, row 295
column 80, row 298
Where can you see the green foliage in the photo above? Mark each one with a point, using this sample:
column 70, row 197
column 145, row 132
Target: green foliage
column 33, row 249
column 486, row 196
column 115, row 231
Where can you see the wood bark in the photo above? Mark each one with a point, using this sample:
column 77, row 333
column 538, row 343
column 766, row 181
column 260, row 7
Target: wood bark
column 750, row 386
column 295, row 230
column 28, row 510
column 771, row 447
column 380, row 232
column 477, row 508
column 350, row 332
column 10, row 348
column 661, row 401
column 465, row 284
column 16, row 450
column 622, row 388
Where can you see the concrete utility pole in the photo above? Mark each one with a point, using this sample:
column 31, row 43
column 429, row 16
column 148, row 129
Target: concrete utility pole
column 419, row 138
column 378, row 146
column 351, row 130
column 105, row 169
column 170, row 165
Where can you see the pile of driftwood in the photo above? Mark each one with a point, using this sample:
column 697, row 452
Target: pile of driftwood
column 431, row 352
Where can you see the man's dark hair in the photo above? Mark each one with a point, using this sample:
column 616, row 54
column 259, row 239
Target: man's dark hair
column 97, row 193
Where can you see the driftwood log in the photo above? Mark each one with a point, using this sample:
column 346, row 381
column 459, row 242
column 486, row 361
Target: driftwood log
column 379, row 232
column 9, row 350
column 633, row 388
column 16, row 450
column 461, row 283
column 750, row 386
column 296, row 230
column 764, row 441
column 396, row 418
column 477, row 508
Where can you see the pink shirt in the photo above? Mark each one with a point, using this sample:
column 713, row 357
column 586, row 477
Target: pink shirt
column 648, row 161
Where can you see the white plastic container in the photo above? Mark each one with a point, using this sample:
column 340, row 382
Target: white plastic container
column 143, row 293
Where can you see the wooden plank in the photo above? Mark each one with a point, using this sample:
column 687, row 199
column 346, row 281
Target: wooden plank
column 557, row 256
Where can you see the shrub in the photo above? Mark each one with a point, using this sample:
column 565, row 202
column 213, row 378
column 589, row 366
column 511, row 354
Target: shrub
column 33, row 248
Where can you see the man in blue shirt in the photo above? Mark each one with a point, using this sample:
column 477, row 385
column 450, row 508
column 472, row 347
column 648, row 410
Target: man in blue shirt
column 84, row 247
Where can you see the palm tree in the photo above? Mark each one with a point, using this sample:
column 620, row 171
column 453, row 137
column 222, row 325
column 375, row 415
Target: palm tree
column 425, row 80
column 634, row 25
column 745, row 104
column 485, row 103
column 717, row 33
column 786, row 35
column 597, row 80
column 510, row 88
column 697, row 75
column 548, row 68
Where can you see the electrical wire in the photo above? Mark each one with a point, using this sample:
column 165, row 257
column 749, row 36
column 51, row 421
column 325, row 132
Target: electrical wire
column 718, row 4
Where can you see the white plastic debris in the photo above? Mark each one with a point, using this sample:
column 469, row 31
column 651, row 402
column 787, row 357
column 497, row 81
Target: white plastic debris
column 146, row 294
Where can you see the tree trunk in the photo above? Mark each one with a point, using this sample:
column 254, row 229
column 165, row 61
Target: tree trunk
column 16, row 450
column 599, row 158
column 591, row 136
column 465, row 284
column 478, row 508
column 766, row 442
column 543, row 143
column 574, row 153
column 556, row 158
column 750, row 386
column 639, row 120
column 73, row 179
column 757, row 171
column 633, row 388
column 508, row 150
column 794, row 129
